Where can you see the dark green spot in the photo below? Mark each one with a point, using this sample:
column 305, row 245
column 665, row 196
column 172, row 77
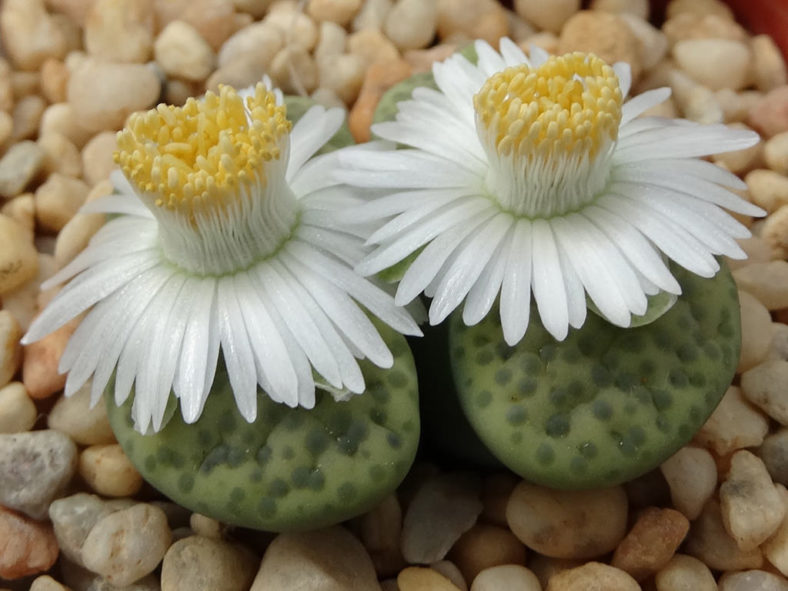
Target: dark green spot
column 347, row 492
column 516, row 415
column 588, row 449
column 237, row 494
column 317, row 441
column 602, row 410
column 316, row 480
column 150, row 463
column 484, row 357
column 557, row 425
column 483, row 398
column 263, row 455
column 578, row 465
column 186, row 482
column 394, row 440
column 526, row 386
column 503, row 376
column 288, row 453
column 299, row 477
column 267, row 507
column 545, row 454
column 397, row 378
column 278, row 488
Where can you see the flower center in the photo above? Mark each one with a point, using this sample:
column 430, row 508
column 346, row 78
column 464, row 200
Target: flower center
column 548, row 133
column 212, row 172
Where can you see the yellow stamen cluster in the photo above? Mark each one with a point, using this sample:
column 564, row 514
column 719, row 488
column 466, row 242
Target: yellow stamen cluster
column 571, row 105
column 195, row 156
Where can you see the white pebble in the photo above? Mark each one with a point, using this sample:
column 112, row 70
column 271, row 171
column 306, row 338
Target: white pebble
column 733, row 425
column 261, row 40
column 691, row 474
column 776, row 547
column 342, row 74
column 10, row 350
column 197, row 562
column 549, row 16
column 296, row 28
column 120, row 30
column 30, row 34
column 755, row 331
column 372, row 14
column 182, row 52
column 411, row 24
column 752, row 580
column 767, row 63
column 775, row 152
column 107, row 470
column 18, row 413
column 58, row 200
column 332, row 41
column 340, row 12
column 685, row 573
column 294, row 71
column 766, row 281
column 84, row 424
column 764, row 385
column 506, row 576
column 19, row 264
column 18, row 166
column 715, row 63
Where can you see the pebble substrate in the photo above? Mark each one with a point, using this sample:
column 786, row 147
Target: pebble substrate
column 75, row 514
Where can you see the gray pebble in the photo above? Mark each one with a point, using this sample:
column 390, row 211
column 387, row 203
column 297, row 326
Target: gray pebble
column 34, row 468
column 774, row 453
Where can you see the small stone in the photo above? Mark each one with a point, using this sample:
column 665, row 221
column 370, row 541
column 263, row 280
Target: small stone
column 80, row 578
column 687, row 26
column 30, row 35
column 496, row 490
column 39, row 365
column 768, row 65
column 652, row 43
column 328, row 98
column 484, row 546
column 764, row 385
column 244, row 71
column 411, row 24
column 768, row 189
column 6, row 88
column 60, row 118
column 774, row 453
column 329, row 559
column 371, row 45
column 182, row 52
column 6, row 126
column 637, row 8
column 97, row 160
column 197, row 562
column 770, row 114
column 260, row 41
column 696, row 102
column 22, row 210
column 46, row 583
column 507, row 576
column 651, row 543
column 103, row 94
column 126, row 545
column 709, row 541
column 691, row 474
column 107, row 470
column 27, row 116
column 27, row 547
column 549, row 16
column 736, row 105
column 34, row 469
column 342, row 74
column 751, row 507
column 58, row 200
column 18, row 264
column 751, row 580
column 120, row 30
column 449, row 570
column 568, row 524
column 340, row 12
column 766, row 281
column 699, row 7
column 372, row 14
column 60, row 155
column 17, row 411
column 607, row 35
column 444, row 507
column 519, row 28
column 379, row 530
column 545, row 568
column 18, row 166
column 75, row 235
column 593, row 576
column 332, row 41
column 255, row 8
column 776, row 548
column 214, row 20
column 207, row 527
column 297, row 29
column 474, row 19
column 755, row 331
column 10, row 351
column 685, row 573
column 775, row 232
column 775, row 152
column 294, row 71
column 733, row 425
column 756, row 249
column 22, row 302
column 378, row 79
column 416, row 578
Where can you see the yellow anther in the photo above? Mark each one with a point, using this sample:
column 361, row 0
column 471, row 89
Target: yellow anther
column 570, row 105
column 192, row 157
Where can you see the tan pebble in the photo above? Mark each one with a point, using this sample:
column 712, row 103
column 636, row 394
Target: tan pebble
column 214, row 20
column 57, row 200
column 75, row 236
column 775, row 232
column 22, row 210
column 756, row 323
column 254, row 8
column 27, row 547
column 416, row 578
column 177, row 92
column 593, row 576
column 371, row 45
column 775, row 153
column 47, row 583
column 422, row 60
column 652, row 43
column 519, row 28
column 766, row 281
column 764, row 386
column 22, row 301
column 6, row 126
column 776, row 547
column 685, row 573
column 332, row 41
column 297, row 29
column 18, row 258
column 260, row 40
column 700, row 7
column 709, row 542
column 751, row 580
column 449, row 570
column 695, row 101
column 120, row 30
column 607, row 35
column 39, row 366
column 330, row 559
column 107, row 470
column 768, row 189
column 751, row 506
column 97, row 157
column 197, row 562
column 733, row 425
column 75, row 417
column 243, row 71
column 778, row 348
column 294, row 71
column 27, row 116
column 19, row 166
column 381, row 527
column 205, row 526
column 549, row 16
column 741, row 161
column 756, row 249
column 25, row 84
column 496, row 490
column 182, row 52
column 60, row 118
column 736, row 105
column 410, row 24
column 60, row 155
column 637, row 8
column 103, row 94
column 342, row 74
column 651, row 543
column 568, row 524
column 30, row 34
column 770, row 114
column 507, row 576
column 6, row 88
column 484, row 546
column 377, row 80
column 546, row 568
column 340, row 12
column 17, row 411
column 691, row 474
column 687, row 26
column 768, row 65
column 328, row 98
column 543, row 40
column 476, row 19
column 372, row 15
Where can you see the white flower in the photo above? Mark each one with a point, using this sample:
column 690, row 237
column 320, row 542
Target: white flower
column 534, row 177
column 227, row 238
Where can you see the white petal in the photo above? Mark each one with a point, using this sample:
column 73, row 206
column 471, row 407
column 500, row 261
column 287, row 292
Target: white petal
column 516, row 286
column 575, row 293
column 118, row 204
column 310, row 133
column 692, row 167
column 643, row 102
column 511, row 52
column 396, row 203
column 482, row 295
column 548, row 285
column 489, row 61
column 624, row 73
column 679, row 140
